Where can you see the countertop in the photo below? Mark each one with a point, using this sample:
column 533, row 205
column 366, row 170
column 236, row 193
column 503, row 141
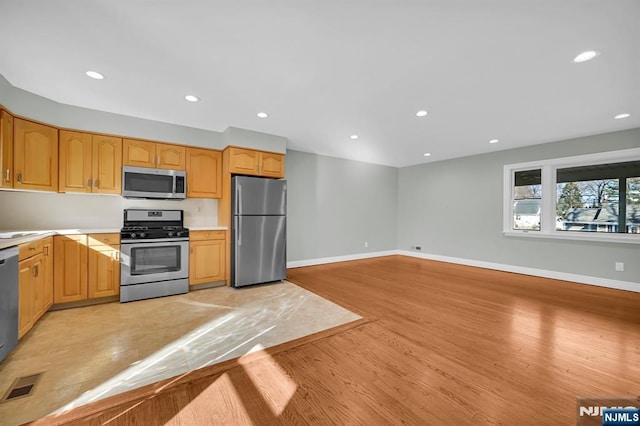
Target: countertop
column 28, row 236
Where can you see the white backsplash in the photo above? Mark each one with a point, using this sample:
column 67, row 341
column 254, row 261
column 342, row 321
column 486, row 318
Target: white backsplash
column 47, row 210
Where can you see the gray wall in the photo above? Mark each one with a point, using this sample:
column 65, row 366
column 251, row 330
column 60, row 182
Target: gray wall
column 335, row 205
column 454, row 208
column 36, row 107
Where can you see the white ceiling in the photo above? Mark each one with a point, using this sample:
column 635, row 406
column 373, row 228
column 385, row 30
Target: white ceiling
column 327, row 69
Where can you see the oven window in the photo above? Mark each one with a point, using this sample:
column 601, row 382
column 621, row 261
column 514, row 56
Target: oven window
column 143, row 182
column 155, row 260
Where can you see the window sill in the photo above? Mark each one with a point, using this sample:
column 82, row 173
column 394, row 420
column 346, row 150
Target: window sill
column 587, row 236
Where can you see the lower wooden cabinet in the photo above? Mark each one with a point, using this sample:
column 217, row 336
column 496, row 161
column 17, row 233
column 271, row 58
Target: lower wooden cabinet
column 103, row 271
column 86, row 267
column 207, row 258
column 34, row 284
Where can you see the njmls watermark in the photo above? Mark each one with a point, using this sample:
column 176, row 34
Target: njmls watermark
column 610, row 411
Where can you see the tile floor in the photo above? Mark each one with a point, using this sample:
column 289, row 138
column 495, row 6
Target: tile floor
column 94, row 352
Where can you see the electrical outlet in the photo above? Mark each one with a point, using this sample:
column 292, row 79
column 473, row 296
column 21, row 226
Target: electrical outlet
column 366, row 244
column 619, row 266
column 418, row 248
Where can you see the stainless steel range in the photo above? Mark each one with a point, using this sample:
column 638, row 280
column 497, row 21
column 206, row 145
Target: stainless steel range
column 155, row 254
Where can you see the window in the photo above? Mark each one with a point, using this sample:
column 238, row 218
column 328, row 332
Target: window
column 527, row 195
column 596, row 197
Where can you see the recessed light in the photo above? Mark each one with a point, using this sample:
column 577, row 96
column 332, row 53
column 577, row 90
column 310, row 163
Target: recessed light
column 586, row 56
column 354, row 137
column 262, row 115
column 494, row 141
column 623, row 115
column 427, row 154
column 191, row 98
column 421, row 113
column 95, row 74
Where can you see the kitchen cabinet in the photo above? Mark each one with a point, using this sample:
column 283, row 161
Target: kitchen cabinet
column 244, row 161
column 47, row 268
column 35, row 156
column 104, row 265
column 86, row 267
column 90, row 163
column 31, row 286
column 207, row 260
column 6, row 149
column 204, row 173
column 70, row 268
column 153, row 154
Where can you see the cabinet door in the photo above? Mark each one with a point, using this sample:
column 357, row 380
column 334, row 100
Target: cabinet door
column 107, row 164
column 104, row 271
column 206, row 261
column 172, row 157
column 204, row 173
column 47, row 272
column 35, row 156
column 70, row 268
column 6, row 149
column 25, row 298
column 138, row 153
column 243, row 161
column 271, row 165
column 75, row 161
column 37, row 283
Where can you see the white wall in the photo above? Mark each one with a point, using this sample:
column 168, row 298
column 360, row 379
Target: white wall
column 48, row 210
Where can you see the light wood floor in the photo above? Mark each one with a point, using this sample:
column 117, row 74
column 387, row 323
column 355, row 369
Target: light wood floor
column 440, row 344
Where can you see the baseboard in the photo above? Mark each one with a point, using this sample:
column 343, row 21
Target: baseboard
column 582, row 279
column 335, row 259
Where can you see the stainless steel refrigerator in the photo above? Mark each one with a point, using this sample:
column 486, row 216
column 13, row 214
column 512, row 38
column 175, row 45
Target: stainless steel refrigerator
column 258, row 228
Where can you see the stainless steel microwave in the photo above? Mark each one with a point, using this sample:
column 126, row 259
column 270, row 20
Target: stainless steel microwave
column 143, row 182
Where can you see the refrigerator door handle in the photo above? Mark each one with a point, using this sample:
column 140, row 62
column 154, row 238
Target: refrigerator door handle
column 239, row 199
column 239, row 228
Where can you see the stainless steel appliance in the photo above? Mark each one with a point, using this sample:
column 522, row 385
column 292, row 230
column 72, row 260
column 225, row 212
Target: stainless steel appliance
column 8, row 300
column 155, row 254
column 143, row 182
column 258, row 208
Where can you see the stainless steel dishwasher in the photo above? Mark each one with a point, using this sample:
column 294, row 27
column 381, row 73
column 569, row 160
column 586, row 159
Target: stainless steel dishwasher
column 8, row 300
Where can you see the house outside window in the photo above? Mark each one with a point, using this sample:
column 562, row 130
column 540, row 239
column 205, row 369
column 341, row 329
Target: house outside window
column 594, row 197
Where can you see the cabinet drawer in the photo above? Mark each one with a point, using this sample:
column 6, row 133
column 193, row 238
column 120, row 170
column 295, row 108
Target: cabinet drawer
column 27, row 250
column 206, row 235
column 104, row 239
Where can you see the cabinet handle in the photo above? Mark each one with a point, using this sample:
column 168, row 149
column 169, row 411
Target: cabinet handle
column 36, row 270
column 8, row 176
column 46, row 250
column 116, row 255
column 95, row 183
column 88, row 183
column 32, row 248
column 153, row 159
column 19, row 177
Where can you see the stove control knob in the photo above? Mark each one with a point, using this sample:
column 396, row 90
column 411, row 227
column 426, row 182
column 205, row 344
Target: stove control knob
column 170, row 233
column 142, row 235
column 179, row 234
column 133, row 235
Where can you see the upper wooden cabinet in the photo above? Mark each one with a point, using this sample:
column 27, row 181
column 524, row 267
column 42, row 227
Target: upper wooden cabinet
column 151, row 154
column 204, row 173
column 244, row 161
column 6, row 149
column 90, row 163
column 35, row 156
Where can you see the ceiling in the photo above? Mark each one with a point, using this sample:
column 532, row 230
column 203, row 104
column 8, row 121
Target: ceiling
column 325, row 70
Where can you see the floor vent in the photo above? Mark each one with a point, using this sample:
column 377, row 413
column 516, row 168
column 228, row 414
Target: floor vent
column 21, row 387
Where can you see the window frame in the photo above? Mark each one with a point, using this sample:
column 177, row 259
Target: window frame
column 548, row 201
